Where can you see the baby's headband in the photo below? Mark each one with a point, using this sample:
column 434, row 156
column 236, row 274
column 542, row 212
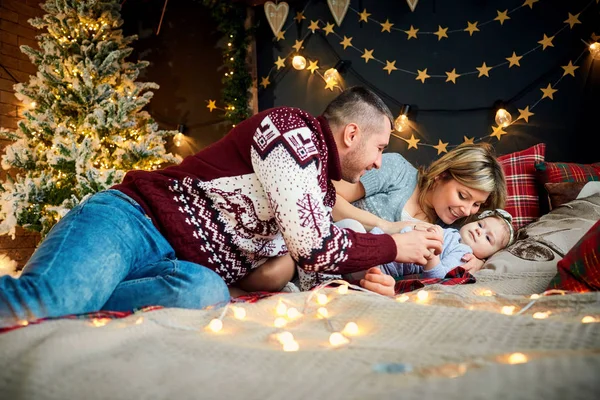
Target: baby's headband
column 504, row 216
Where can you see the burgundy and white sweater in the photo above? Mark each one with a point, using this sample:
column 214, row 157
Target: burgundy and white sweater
column 262, row 191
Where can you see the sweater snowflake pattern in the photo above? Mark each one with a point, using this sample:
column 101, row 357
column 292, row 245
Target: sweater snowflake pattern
column 262, row 191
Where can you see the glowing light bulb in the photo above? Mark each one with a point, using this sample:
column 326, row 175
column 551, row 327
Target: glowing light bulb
column 534, row 296
column 402, row 299
column 285, row 336
column 293, row 313
column 422, row 295
column 517, row 358
column 292, row 345
column 322, row 312
column 401, row 123
column 342, row 289
column 215, row 325
column 350, row 329
column 486, row 292
column 588, row 319
column 33, row 104
column 503, row 118
column 281, row 308
column 336, row 339
column 299, row 62
column 508, row 310
column 332, row 74
column 279, row 322
column 541, row 315
column 239, row 312
column 178, row 139
column 595, row 50
column 322, row 299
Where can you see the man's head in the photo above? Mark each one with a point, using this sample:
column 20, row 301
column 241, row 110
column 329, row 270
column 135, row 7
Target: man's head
column 361, row 124
column 493, row 231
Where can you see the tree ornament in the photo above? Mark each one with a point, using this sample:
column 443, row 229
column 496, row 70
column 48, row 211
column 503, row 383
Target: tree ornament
column 276, row 15
column 338, row 9
column 412, row 4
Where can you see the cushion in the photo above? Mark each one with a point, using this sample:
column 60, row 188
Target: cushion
column 541, row 244
column 579, row 270
column 559, row 172
column 562, row 192
column 523, row 195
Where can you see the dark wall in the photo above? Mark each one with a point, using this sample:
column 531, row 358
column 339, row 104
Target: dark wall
column 449, row 111
column 185, row 60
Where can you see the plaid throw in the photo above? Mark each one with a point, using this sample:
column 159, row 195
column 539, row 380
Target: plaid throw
column 458, row 276
column 522, row 201
column 579, row 270
column 551, row 172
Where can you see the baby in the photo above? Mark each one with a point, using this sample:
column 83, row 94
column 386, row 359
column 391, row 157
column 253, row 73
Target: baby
column 493, row 231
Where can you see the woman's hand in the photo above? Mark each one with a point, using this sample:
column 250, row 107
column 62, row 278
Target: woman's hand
column 473, row 264
column 378, row 282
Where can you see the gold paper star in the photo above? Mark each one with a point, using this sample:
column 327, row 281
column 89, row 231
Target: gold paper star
column 468, row 140
column 298, row 45
column 570, row 69
column 548, row 92
column 472, row 27
column 280, row 35
column 412, row 142
column 483, row 70
column 386, row 26
column 529, row 3
column 422, row 75
column 390, row 66
column 364, row 16
column 264, row 82
column 452, row 75
column 346, row 42
column 572, row 20
column 514, row 60
column 280, row 63
column 328, row 28
column 441, row 32
column 441, row 147
column 498, row 132
column 412, row 32
column 501, row 17
column 367, row 55
column 546, row 41
column 594, row 37
column 313, row 66
column 525, row 114
column 299, row 16
column 211, row 105
column 330, row 84
column 314, row 25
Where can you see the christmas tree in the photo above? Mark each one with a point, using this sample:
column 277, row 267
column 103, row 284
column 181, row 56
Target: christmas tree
column 83, row 124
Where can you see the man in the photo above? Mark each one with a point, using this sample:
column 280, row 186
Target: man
column 176, row 237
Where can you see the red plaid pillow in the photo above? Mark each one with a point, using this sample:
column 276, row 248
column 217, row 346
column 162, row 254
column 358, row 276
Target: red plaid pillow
column 522, row 201
column 579, row 271
column 555, row 172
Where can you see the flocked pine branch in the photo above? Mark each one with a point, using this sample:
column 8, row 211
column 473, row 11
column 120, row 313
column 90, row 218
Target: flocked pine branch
column 83, row 126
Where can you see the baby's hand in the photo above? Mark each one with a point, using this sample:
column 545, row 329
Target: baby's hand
column 473, row 263
column 378, row 282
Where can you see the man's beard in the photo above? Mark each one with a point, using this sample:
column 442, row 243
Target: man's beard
column 352, row 165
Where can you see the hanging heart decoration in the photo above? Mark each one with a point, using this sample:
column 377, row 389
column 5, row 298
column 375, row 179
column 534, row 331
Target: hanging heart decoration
column 276, row 15
column 338, row 9
column 412, row 4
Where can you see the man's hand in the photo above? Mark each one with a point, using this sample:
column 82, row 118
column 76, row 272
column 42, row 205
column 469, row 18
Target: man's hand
column 378, row 282
column 473, row 264
column 417, row 247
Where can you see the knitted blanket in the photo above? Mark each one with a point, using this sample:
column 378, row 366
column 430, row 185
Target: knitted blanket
column 458, row 342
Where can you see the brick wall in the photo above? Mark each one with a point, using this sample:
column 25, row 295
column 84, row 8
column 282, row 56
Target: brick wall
column 14, row 32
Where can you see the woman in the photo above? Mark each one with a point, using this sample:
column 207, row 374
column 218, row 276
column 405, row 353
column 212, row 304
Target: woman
column 459, row 184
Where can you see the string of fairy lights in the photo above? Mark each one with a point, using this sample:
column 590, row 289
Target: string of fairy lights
column 288, row 314
column 503, row 118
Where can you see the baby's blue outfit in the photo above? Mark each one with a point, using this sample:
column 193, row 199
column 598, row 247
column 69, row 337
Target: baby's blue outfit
column 452, row 253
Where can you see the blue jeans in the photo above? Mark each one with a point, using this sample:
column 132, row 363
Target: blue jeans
column 106, row 254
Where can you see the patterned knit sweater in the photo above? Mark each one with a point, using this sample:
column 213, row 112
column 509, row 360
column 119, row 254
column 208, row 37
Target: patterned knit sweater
column 262, row 191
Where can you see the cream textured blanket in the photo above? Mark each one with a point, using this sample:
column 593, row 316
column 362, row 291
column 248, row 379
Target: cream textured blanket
column 456, row 344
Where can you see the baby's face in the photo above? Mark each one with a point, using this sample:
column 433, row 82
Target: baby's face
column 485, row 236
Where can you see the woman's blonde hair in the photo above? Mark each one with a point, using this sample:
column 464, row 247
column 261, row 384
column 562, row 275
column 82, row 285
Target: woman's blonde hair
column 472, row 165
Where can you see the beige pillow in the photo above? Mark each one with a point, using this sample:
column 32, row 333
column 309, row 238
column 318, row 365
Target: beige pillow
column 541, row 244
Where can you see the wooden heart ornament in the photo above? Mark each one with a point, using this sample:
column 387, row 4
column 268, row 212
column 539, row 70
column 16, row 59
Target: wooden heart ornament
column 412, row 4
column 276, row 15
column 338, row 9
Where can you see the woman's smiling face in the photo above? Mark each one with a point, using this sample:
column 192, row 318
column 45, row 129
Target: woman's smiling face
column 452, row 200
